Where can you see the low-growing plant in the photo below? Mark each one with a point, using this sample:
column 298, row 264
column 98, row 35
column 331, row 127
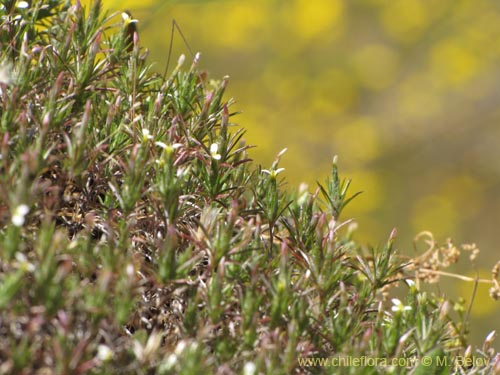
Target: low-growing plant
column 137, row 237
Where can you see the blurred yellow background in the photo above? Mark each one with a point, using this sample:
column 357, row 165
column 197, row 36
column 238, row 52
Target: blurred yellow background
column 406, row 92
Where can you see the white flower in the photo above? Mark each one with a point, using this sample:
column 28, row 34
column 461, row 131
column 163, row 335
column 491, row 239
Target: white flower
column 410, row 283
column 23, row 264
column 397, row 306
column 19, row 214
column 104, row 353
column 127, row 19
column 214, row 151
column 168, row 148
column 146, row 135
column 249, row 368
column 273, row 172
column 161, row 145
column 22, row 4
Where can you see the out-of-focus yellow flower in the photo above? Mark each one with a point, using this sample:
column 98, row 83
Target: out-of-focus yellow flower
column 436, row 212
column 376, row 65
column 310, row 19
column 333, row 92
column 452, row 63
column 371, row 183
column 404, row 20
column 418, row 91
column 360, row 139
column 238, row 23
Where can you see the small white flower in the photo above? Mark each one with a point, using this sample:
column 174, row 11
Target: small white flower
column 127, row 19
column 249, row 368
column 273, row 172
column 161, row 145
column 104, row 353
column 168, row 148
column 22, row 4
column 19, row 214
column 397, row 306
column 410, row 283
column 175, row 146
column 214, row 151
column 146, row 135
column 23, row 264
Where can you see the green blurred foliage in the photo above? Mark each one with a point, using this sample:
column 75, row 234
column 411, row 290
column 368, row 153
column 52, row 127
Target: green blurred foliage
column 406, row 93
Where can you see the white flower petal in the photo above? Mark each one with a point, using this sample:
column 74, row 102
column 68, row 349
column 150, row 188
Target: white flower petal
column 249, row 368
column 214, row 151
column 19, row 214
column 104, row 353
